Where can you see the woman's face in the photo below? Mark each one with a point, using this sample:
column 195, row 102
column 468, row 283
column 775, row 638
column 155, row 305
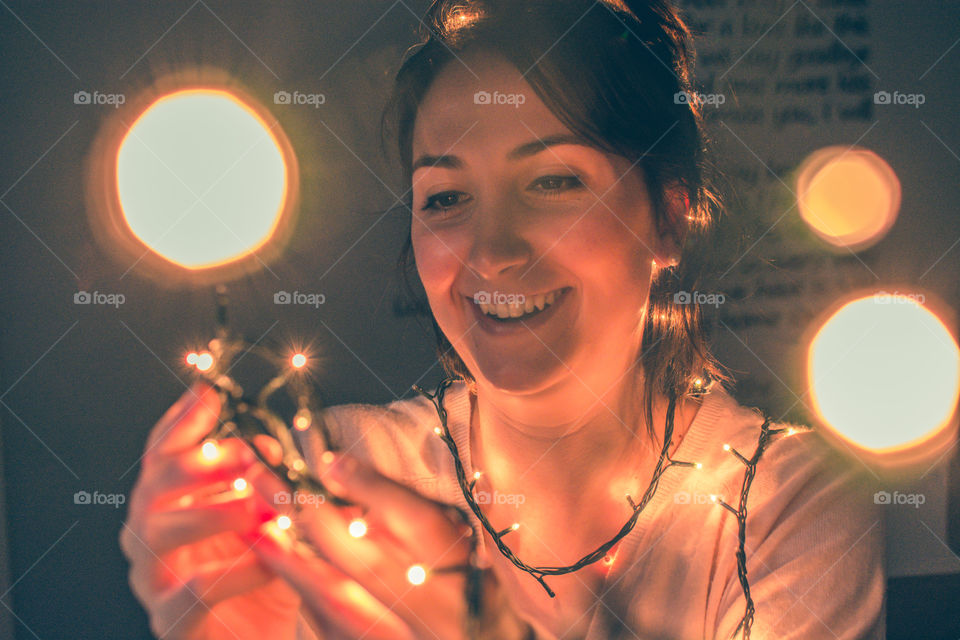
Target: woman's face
column 509, row 206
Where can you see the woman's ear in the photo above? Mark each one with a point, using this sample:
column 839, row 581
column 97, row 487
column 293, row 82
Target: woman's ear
column 673, row 224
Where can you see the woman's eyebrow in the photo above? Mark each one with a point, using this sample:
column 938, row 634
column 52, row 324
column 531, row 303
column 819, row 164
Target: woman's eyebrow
column 525, row 150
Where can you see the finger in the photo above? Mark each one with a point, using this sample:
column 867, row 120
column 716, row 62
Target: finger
column 172, row 477
column 184, row 424
column 327, row 526
column 182, row 608
column 416, row 521
column 269, row 448
column 229, row 511
column 327, row 592
column 379, row 562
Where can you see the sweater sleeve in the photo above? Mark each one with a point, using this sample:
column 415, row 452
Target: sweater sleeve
column 814, row 549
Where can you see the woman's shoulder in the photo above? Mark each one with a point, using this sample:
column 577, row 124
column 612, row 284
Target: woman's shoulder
column 794, row 467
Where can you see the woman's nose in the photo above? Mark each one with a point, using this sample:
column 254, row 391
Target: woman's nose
column 497, row 243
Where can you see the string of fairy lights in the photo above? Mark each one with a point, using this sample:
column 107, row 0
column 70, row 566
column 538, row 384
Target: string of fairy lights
column 246, row 416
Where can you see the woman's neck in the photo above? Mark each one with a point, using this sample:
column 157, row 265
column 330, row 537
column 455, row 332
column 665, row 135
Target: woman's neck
column 605, row 447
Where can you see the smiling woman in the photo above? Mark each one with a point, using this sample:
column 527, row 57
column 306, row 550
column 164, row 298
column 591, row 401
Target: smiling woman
column 559, row 201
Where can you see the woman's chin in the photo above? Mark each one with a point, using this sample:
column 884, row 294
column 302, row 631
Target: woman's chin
column 518, row 377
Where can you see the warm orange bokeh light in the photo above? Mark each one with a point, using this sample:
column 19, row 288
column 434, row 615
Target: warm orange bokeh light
column 357, row 528
column 203, row 361
column 201, row 178
column 298, row 360
column 848, row 196
column 884, row 374
column 210, row 451
column 416, row 574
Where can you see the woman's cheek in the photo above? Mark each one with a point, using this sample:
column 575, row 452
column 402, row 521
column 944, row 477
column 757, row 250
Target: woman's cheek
column 435, row 259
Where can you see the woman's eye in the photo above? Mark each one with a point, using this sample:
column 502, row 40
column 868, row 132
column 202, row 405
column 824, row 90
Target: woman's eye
column 443, row 201
column 554, row 185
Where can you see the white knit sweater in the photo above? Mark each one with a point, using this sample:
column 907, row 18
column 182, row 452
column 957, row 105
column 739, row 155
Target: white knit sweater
column 814, row 537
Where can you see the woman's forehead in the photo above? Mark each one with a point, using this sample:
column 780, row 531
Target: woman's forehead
column 482, row 100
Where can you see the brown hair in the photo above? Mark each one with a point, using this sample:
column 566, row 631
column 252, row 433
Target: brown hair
column 614, row 72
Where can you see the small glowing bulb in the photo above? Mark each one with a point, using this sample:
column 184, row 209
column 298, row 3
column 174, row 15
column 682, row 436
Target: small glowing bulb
column 298, row 465
column 357, row 528
column 327, row 458
column 699, row 465
column 204, row 361
column 301, row 421
column 698, row 382
column 515, row 526
column 608, row 560
column 210, row 450
column 713, row 498
column 298, row 360
column 476, row 475
column 192, row 358
column 416, row 574
column 726, row 447
column 438, row 431
column 284, row 522
column 791, row 431
column 240, row 484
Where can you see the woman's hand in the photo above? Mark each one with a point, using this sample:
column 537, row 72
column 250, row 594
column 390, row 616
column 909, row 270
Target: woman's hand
column 188, row 565
column 359, row 586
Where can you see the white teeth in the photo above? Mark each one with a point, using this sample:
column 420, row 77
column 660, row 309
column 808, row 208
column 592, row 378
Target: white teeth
column 516, row 310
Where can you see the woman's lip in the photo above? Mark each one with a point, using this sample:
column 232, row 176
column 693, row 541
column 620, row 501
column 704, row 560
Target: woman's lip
column 493, row 326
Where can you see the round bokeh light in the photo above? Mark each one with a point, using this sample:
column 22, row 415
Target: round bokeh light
column 201, row 178
column 884, row 374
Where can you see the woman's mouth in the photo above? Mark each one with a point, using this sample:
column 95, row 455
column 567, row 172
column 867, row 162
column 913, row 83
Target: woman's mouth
column 516, row 311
